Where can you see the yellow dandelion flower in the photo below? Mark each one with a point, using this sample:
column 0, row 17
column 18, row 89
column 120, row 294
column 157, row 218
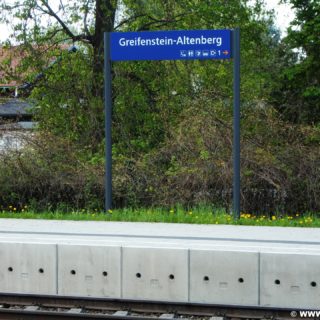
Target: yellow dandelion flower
column 274, row 218
column 110, row 211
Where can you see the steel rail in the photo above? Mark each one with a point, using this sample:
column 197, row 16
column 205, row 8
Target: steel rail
column 44, row 315
column 14, row 306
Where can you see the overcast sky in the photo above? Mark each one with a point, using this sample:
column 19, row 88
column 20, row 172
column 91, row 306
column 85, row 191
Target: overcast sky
column 284, row 14
column 283, row 17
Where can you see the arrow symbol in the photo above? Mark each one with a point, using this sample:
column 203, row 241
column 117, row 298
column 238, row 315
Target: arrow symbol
column 226, row 52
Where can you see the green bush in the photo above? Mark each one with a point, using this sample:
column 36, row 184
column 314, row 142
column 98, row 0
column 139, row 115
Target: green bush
column 49, row 173
column 280, row 162
column 280, row 166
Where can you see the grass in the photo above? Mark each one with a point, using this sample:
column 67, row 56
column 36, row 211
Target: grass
column 199, row 215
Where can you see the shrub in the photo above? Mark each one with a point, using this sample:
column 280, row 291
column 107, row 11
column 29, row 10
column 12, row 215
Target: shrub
column 280, row 162
column 280, row 166
column 49, row 172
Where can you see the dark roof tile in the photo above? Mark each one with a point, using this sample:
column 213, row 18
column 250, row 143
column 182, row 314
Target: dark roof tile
column 14, row 107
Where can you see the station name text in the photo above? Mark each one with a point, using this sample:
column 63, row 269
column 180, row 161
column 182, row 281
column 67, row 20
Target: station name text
column 182, row 41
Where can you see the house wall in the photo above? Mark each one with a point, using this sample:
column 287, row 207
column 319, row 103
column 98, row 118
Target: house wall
column 13, row 140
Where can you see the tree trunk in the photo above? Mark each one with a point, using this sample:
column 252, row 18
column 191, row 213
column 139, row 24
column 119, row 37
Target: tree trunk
column 104, row 22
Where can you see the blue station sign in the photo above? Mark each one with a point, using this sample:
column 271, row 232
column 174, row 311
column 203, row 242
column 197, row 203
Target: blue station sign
column 171, row 45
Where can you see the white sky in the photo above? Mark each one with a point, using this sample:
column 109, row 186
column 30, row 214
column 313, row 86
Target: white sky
column 284, row 15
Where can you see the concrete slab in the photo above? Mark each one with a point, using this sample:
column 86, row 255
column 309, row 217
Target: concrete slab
column 167, row 316
column 86, row 270
column 155, row 274
column 26, row 268
column 75, row 310
column 156, row 242
column 164, row 262
column 121, row 313
column 290, row 280
column 32, row 308
column 224, row 277
column 164, row 231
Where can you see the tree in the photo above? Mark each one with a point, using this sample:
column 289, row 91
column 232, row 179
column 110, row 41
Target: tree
column 74, row 21
column 298, row 96
column 148, row 97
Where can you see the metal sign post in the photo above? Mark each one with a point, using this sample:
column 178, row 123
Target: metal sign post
column 173, row 45
column 236, row 123
column 108, row 115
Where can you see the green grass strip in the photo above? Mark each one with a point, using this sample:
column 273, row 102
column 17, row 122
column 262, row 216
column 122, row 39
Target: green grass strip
column 201, row 215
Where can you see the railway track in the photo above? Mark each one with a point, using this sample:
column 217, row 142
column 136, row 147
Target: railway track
column 47, row 307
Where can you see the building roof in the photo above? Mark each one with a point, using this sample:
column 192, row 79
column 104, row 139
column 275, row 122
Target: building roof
column 13, row 57
column 14, row 107
column 18, row 126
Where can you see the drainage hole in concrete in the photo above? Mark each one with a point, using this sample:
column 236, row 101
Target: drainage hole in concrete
column 138, row 275
column 205, row 278
column 171, row 276
column 277, row 281
column 241, row 280
column 41, row 270
column 104, row 273
column 313, row 284
column 73, row 272
column 10, row 269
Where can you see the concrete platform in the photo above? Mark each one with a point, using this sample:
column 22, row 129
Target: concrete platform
column 163, row 230
column 26, row 268
column 246, row 266
column 155, row 273
column 220, row 276
column 290, row 279
column 89, row 270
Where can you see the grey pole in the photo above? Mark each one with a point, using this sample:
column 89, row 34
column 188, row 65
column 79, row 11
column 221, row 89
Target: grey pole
column 108, row 121
column 236, row 123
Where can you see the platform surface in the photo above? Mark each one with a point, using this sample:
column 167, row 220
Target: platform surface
column 155, row 235
column 215, row 264
column 163, row 231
